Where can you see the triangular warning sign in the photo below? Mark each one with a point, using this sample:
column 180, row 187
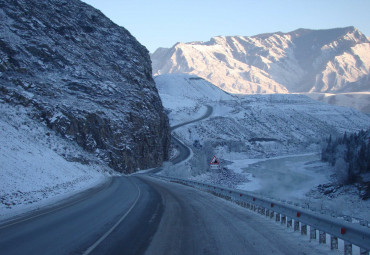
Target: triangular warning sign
column 214, row 161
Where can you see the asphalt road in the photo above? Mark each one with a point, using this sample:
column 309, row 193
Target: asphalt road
column 144, row 215
column 183, row 151
column 195, row 222
column 206, row 115
column 75, row 228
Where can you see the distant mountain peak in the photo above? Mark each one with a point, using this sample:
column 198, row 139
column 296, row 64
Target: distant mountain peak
column 303, row 60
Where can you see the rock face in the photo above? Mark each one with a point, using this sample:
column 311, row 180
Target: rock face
column 325, row 61
column 84, row 77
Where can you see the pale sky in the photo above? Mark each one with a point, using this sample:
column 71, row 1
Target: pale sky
column 162, row 23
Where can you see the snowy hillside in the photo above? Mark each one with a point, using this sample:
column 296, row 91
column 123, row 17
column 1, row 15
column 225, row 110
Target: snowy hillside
column 269, row 143
column 191, row 87
column 324, row 61
column 259, row 124
column 271, row 125
column 37, row 166
column 184, row 95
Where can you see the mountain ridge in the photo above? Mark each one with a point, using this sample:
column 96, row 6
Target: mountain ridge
column 303, row 60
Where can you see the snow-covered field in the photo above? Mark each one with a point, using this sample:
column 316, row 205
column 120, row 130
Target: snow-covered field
column 269, row 144
column 37, row 167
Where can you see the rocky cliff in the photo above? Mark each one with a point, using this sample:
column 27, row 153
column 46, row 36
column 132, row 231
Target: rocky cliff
column 324, row 61
column 84, row 77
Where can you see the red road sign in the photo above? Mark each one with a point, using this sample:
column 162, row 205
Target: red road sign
column 214, row 161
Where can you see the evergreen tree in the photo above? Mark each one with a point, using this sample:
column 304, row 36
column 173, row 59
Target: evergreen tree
column 349, row 154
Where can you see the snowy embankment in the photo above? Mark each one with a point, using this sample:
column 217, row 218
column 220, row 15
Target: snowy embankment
column 268, row 144
column 37, row 167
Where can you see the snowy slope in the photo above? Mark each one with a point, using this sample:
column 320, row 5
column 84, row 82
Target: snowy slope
column 271, row 125
column 259, row 125
column 191, row 87
column 283, row 130
column 184, row 95
column 37, row 166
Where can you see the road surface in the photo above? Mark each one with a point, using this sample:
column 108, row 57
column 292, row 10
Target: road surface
column 183, row 151
column 206, row 115
column 75, row 228
column 145, row 215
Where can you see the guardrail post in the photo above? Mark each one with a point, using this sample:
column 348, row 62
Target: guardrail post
column 347, row 248
column 283, row 219
column 364, row 223
column 296, row 225
column 322, row 237
column 277, row 217
column 333, row 242
column 304, row 229
column 289, row 222
column 312, row 233
column 364, row 251
column 267, row 213
column 271, row 214
column 347, row 218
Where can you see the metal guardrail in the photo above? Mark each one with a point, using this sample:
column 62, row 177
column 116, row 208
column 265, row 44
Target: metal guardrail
column 350, row 233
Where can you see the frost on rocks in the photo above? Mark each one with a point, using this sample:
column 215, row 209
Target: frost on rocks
column 84, row 77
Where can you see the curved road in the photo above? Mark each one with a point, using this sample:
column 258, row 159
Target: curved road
column 144, row 215
column 184, row 151
column 206, row 115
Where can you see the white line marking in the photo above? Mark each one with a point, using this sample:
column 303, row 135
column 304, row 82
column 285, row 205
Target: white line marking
column 101, row 239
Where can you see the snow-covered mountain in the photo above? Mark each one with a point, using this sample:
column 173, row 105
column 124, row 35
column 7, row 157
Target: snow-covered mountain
column 325, row 61
column 84, row 77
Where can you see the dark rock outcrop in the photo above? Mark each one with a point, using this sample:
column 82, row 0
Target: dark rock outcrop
column 84, row 77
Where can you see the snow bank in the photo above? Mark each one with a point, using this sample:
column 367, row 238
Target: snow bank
column 34, row 169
